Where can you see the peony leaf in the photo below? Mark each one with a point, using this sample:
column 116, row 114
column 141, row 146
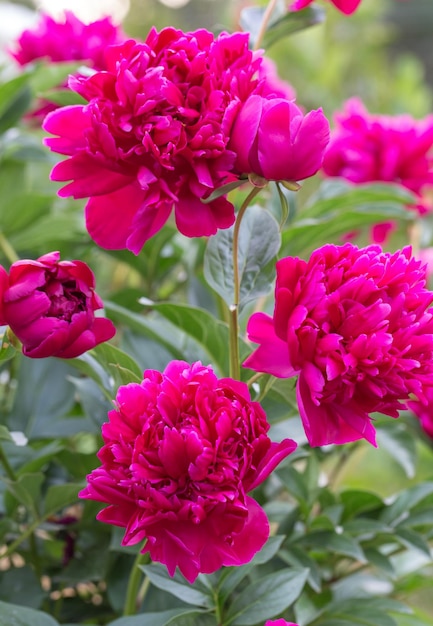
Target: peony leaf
column 59, row 496
column 251, row 18
column 181, row 616
column 396, row 439
column 256, row 257
column 14, row 615
column 15, row 98
column 293, row 22
column 267, row 597
column 178, row 586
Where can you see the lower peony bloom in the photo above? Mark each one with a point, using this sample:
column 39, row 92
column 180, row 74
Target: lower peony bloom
column 345, row 6
column 273, row 139
column 182, row 449
column 355, row 326
column 49, row 305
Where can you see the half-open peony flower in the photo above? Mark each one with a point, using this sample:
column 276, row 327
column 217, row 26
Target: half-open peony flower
column 273, row 139
column 182, row 450
column 355, row 326
column 154, row 135
column 49, row 305
column 382, row 148
column 345, row 6
column 67, row 40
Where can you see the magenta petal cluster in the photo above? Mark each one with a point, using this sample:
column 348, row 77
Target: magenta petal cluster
column 181, row 451
column 273, row 139
column 50, row 306
column 154, row 135
column 374, row 148
column 354, row 325
column 345, row 6
column 67, row 40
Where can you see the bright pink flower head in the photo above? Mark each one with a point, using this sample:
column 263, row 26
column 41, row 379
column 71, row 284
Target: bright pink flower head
column 355, row 326
column 345, row 6
column 67, row 40
column 273, row 139
column 181, row 451
column 279, row 622
column 154, row 135
column 49, row 305
column 373, row 148
column 424, row 412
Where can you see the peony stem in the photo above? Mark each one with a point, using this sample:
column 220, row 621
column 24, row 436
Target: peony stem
column 7, row 249
column 235, row 369
column 6, row 465
column 264, row 25
column 134, row 584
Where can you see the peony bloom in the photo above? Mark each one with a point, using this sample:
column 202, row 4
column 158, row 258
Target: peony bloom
column 373, row 148
column 279, row 622
column 424, row 412
column 154, row 135
column 68, row 40
column 273, row 139
column 182, row 449
column 49, row 305
column 355, row 326
column 345, row 6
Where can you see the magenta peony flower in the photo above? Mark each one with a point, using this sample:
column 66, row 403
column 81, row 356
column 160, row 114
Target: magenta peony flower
column 68, row 40
column 181, row 451
column 424, row 412
column 273, row 139
column 279, row 622
column 355, row 325
column 345, row 6
column 373, row 148
column 49, row 305
column 154, row 135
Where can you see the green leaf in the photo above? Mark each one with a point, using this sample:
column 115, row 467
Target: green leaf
column 293, row 22
column 400, row 444
column 406, row 500
column 15, row 98
column 297, row 557
column 123, row 367
column 251, row 18
column 267, row 597
column 356, row 501
column 164, row 618
column 177, row 586
column 46, row 76
column 380, row 561
column 5, row 434
column 256, row 257
column 49, row 230
column 60, row 496
column 27, row 490
column 13, row 615
column 411, row 539
column 334, row 542
column 62, row 97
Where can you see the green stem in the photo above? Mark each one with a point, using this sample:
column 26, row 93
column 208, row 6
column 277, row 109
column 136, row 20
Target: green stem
column 6, row 465
column 7, row 249
column 235, row 369
column 134, row 584
column 265, row 22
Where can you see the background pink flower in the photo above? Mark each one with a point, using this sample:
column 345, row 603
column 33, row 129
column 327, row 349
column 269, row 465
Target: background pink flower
column 49, row 305
column 355, row 326
column 345, row 6
column 67, row 40
column 374, row 148
column 182, row 449
column 273, row 139
column 279, row 622
column 154, row 135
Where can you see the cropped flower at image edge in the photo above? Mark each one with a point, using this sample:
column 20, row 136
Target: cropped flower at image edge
column 181, row 451
column 355, row 326
column 49, row 305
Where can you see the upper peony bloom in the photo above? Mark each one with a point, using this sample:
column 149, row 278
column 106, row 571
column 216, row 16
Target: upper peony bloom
column 67, row 40
column 355, row 325
column 273, row 139
column 49, row 305
column 345, row 6
column 182, row 449
column 154, row 135
column 374, row 148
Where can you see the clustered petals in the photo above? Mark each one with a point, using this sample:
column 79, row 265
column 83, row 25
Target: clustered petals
column 155, row 135
column 345, row 6
column 67, row 40
column 382, row 148
column 181, row 451
column 354, row 325
column 49, row 305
